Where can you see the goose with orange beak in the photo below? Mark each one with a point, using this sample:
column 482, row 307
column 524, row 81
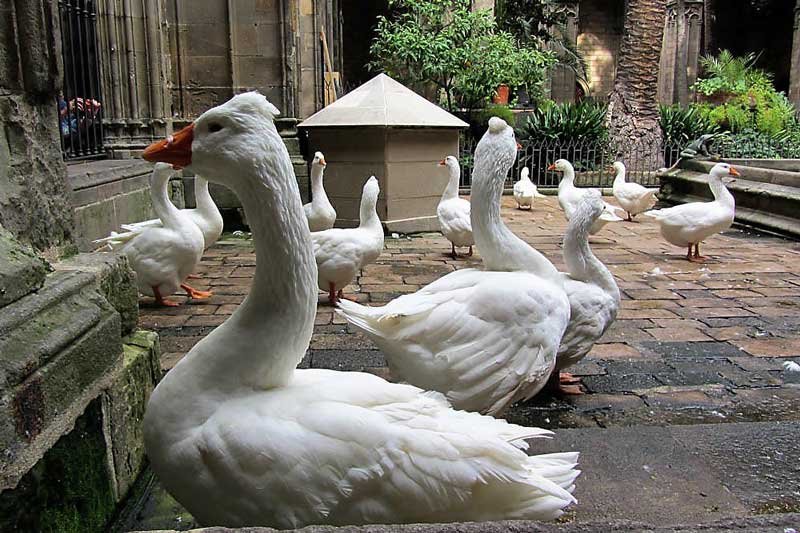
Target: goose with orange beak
column 320, row 213
column 570, row 197
column 688, row 225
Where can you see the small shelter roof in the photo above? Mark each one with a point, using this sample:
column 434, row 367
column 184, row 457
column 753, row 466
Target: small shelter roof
column 385, row 102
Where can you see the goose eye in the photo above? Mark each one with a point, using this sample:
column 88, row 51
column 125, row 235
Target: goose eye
column 214, row 127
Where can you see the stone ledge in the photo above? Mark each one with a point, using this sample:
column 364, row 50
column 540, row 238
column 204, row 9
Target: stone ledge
column 21, row 270
column 766, row 523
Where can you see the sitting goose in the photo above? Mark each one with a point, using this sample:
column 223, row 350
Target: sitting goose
column 240, row 437
column 320, row 213
column 690, row 224
column 485, row 339
column 453, row 212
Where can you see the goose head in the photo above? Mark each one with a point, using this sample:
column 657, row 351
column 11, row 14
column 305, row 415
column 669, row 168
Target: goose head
column 617, row 168
column 451, row 162
column 591, row 206
column 561, row 165
column 232, row 135
column 723, row 170
column 524, row 174
column 497, row 147
column 319, row 160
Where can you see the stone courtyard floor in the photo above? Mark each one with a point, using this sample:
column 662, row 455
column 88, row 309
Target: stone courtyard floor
column 688, row 416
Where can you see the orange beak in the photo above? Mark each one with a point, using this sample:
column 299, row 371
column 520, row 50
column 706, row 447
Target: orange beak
column 552, row 166
column 443, row 162
column 322, row 162
column 519, row 146
column 175, row 149
column 733, row 172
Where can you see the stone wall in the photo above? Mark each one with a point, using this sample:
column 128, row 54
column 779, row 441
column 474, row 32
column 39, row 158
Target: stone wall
column 33, row 188
column 75, row 377
column 600, row 30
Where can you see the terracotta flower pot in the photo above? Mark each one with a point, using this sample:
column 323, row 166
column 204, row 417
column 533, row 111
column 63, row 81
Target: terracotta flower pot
column 501, row 96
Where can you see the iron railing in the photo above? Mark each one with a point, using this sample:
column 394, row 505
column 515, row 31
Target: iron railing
column 592, row 161
column 79, row 104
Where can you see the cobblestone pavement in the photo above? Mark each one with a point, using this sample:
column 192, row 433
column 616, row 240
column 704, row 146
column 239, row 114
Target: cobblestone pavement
column 694, row 346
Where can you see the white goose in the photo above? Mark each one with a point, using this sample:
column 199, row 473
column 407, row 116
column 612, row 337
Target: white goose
column 241, row 438
column 525, row 190
column 485, row 339
column 341, row 253
column 690, row 224
column 569, row 196
column 453, row 212
column 205, row 216
column 164, row 255
column 320, row 213
column 592, row 291
column 632, row 197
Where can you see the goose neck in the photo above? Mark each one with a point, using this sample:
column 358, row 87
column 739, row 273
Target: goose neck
column 260, row 345
column 164, row 208
column 619, row 178
column 451, row 191
column 368, row 214
column 501, row 250
column 202, row 196
column 580, row 260
column 721, row 192
column 318, row 194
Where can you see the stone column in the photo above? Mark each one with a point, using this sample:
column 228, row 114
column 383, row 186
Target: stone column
column 794, row 84
column 680, row 50
column 34, row 192
column 562, row 79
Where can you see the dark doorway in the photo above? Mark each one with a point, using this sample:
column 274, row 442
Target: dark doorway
column 359, row 19
column 764, row 27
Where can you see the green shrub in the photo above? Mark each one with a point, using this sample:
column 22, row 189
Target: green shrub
column 680, row 125
column 494, row 110
column 584, row 121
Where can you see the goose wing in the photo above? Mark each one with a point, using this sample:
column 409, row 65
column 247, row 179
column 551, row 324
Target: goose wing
column 454, row 216
column 484, row 339
column 351, row 448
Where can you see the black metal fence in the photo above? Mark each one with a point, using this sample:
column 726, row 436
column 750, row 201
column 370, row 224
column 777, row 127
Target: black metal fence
column 592, row 161
column 79, row 104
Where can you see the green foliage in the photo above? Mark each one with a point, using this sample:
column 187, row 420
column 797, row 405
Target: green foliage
column 459, row 51
column 494, row 110
column 535, row 21
column 726, row 73
column 680, row 125
column 585, row 120
column 741, row 97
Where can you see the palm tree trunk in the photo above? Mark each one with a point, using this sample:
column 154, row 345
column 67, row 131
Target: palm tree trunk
column 633, row 105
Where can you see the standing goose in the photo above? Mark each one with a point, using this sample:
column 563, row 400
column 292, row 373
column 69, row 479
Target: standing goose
column 164, row 255
column 632, row 197
column 525, row 190
column 320, row 213
column 690, row 224
column 593, row 293
column 569, row 196
column 485, row 339
column 205, row 216
column 241, row 437
column 453, row 212
column 341, row 253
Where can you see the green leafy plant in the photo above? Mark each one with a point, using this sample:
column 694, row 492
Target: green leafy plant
column 460, row 52
column 584, row 120
column 501, row 111
column 680, row 125
column 726, row 73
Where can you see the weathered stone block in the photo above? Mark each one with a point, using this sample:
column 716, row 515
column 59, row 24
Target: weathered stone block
column 115, row 281
column 21, row 270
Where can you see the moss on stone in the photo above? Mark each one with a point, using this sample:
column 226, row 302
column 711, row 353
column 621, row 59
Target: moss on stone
column 68, row 491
